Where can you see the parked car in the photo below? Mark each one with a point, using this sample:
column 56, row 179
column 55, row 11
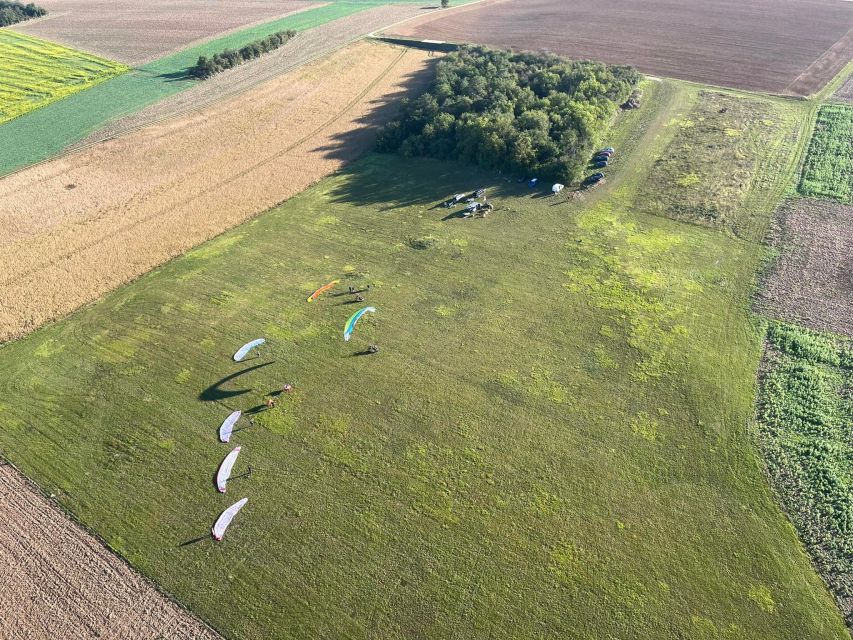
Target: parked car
column 600, row 164
column 600, row 158
column 608, row 150
column 595, row 177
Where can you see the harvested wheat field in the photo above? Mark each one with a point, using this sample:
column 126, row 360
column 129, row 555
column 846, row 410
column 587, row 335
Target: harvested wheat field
column 136, row 32
column 77, row 227
column 811, row 282
column 768, row 45
column 303, row 48
column 59, row 581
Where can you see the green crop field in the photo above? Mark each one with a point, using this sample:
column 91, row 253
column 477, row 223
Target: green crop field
column 828, row 170
column 48, row 131
column 552, row 441
column 34, row 73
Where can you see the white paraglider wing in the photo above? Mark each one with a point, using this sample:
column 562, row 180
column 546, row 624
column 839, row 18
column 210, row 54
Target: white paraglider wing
column 226, row 517
column 246, row 348
column 228, row 426
column 225, row 469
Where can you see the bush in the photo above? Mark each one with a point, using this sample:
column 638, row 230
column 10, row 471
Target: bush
column 206, row 67
column 527, row 113
column 12, row 12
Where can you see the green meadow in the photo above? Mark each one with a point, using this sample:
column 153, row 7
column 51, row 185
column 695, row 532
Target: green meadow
column 553, row 440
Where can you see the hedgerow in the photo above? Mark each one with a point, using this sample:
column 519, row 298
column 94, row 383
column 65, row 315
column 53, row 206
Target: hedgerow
column 12, row 12
column 528, row 113
column 206, row 67
column 805, row 414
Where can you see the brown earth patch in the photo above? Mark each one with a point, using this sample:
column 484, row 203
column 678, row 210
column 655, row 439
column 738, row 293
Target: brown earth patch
column 845, row 91
column 136, row 32
column 811, row 281
column 303, row 48
column 760, row 45
column 146, row 197
column 59, row 581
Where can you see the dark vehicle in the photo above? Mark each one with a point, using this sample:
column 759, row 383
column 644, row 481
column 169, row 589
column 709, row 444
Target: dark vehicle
column 594, row 178
column 600, row 158
column 600, row 164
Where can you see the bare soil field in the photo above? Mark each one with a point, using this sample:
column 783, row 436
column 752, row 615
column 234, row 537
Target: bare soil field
column 136, row 32
column 811, row 282
column 303, row 48
column 59, row 581
column 76, row 227
column 767, row 45
column 845, row 91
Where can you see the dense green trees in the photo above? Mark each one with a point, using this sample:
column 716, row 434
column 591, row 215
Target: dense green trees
column 206, row 67
column 12, row 12
column 527, row 113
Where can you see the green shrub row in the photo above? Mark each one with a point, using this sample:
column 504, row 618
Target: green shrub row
column 12, row 12
column 805, row 414
column 532, row 114
column 828, row 170
column 206, row 67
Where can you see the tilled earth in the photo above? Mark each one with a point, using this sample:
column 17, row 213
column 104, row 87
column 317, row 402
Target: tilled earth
column 59, row 581
column 812, row 279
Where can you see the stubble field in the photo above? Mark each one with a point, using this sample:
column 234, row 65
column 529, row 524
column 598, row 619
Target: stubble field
column 76, row 227
column 768, row 45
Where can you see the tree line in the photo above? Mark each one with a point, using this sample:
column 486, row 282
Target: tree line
column 526, row 113
column 12, row 12
column 206, row 67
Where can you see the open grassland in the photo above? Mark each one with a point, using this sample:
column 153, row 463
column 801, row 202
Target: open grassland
column 721, row 146
column 805, row 410
column 136, row 33
column 551, row 440
column 34, row 73
column 809, row 280
column 59, row 581
column 828, row 170
column 79, row 226
column 769, row 45
column 48, row 131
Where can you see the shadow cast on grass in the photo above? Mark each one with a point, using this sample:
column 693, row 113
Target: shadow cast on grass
column 215, row 392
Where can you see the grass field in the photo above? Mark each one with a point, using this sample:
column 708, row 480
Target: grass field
column 551, row 441
column 804, row 417
column 34, row 73
column 50, row 130
column 828, row 170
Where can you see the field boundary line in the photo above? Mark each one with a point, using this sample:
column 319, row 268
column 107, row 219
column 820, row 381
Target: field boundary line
column 846, row 41
column 69, row 515
column 455, row 9
column 232, row 178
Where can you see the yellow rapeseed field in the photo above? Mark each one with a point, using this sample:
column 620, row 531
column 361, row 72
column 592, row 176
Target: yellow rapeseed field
column 35, row 72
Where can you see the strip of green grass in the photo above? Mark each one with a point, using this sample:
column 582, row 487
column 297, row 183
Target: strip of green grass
column 47, row 131
column 828, row 170
column 804, row 417
column 551, row 441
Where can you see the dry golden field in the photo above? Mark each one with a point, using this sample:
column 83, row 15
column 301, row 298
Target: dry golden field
column 80, row 225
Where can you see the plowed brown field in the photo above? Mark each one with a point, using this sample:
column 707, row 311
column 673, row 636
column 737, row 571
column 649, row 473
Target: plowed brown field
column 135, row 32
column 77, row 227
column 769, row 45
column 59, row 581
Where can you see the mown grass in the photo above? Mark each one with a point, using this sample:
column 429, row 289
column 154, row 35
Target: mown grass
column 34, row 73
column 551, row 442
column 828, row 169
column 805, row 410
column 48, row 131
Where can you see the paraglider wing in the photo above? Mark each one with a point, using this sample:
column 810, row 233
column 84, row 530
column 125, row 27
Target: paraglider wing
column 322, row 290
column 226, row 517
column 228, row 426
column 225, row 469
column 246, row 348
column 354, row 318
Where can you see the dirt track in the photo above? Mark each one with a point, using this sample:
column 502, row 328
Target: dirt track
column 811, row 282
column 306, row 46
column 136, row 32
column 769, row 45
column 59, row 581
column 74, row 228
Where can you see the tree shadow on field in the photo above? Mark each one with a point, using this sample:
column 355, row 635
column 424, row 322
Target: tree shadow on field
column 177, row 76
column 418, row 181
column 215, row 392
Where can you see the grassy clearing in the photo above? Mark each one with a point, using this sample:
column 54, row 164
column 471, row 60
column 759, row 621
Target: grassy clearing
column 34, row 73
column 828, row 170
column 721, row 147
column 805, row 411
column 48, row 131
column 551, row 441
